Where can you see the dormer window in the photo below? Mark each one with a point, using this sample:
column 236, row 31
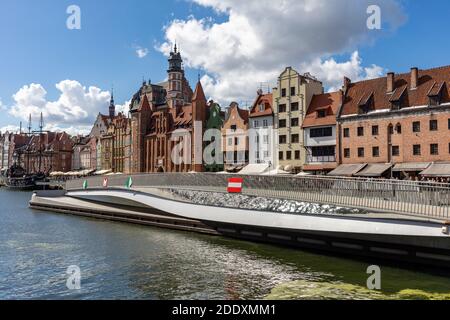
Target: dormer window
column 321, row 113
column 366, row 103
column 397, row 98
column 435, row 93
column 261, row 107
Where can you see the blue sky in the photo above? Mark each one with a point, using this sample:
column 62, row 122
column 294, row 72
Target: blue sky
column 36, row 47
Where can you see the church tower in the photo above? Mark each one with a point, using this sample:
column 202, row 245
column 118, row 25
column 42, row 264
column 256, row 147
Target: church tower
column 112, row 106
column 176, row 76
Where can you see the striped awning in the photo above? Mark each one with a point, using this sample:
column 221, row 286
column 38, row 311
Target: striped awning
column 347, row 170
column 374, row 170
column 437, row 170
column 411, row 166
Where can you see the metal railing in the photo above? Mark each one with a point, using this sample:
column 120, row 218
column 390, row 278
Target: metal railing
column 424, row 199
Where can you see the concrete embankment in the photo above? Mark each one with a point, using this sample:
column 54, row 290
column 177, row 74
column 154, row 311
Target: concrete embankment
column 57, row 201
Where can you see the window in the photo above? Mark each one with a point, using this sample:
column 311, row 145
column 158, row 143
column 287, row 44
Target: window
column 282, row 108
column 265, row 123
column 294, row 122
column 375, row 130
column 346, row 132
column 256, row 124
column 288, row 155
column 398, row 128
column 434, row 149
column 294, row 106
column 395, row 151
column 282, row 139
column 283, row 92
column 321, row 132
column 391, row 129
column 346, row 153
column 433, row 125
column 361, row 152
column 375, row 152
column 230, row 141
column 266, row 154
column 236, row 141
column 321, row 113
column 416, row 126
column 360, row 131
column 448, row 124
column 292, row 91
column 234, row 127
column 417, row 150
column 280, row 155
column 257, row 139
column 297, row 155
column 257, row 154
column 295, row 138
column 261, row 107
column 266, row 139
column 282, row 123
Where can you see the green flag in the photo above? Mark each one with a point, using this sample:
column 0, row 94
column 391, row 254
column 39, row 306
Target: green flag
column 85, row 184
column 129, row 183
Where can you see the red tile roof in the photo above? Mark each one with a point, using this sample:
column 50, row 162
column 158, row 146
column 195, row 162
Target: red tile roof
column 429, row 82
column 330, row 102
column 265, row 99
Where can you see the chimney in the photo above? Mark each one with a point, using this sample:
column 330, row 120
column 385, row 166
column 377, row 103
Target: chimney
column 390, row 82
column 347, row 83
column 414, row 78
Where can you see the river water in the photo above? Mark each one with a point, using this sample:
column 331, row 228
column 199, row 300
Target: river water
column 123, row 261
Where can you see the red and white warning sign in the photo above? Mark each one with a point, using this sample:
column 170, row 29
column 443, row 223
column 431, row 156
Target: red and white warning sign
column 105, row 182
column 235, row 185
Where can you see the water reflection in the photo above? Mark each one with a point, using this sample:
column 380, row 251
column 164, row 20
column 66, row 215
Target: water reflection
column 122, row 261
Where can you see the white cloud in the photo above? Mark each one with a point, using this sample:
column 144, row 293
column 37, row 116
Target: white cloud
column 75, row 109
column 9, row 128
column 258, row 38
column 124, row 108
column 141, row 52
column 332, row 73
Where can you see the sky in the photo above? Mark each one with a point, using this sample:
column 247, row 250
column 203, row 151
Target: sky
column 235, row 46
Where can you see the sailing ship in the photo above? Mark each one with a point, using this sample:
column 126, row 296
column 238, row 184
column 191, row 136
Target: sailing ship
column 16, row 177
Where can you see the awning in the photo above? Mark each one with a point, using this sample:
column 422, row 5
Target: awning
column 255, row 168
column 437, row 170
column 102, row 172
column 411, row 167
column 374, row 170
column 347, row 170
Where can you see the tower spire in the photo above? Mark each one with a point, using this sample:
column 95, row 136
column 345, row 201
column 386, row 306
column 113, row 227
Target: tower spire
column 112, row 106
column 29, row 124
column 175, row 47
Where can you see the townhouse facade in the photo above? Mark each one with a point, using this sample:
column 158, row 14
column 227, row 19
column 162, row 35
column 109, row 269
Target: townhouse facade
column 291, row 98
column 213, row 128
column 262, row 136
column 320, row 132
column 235, row 140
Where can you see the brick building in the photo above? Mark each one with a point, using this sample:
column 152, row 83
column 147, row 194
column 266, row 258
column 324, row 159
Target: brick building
column 47, row 152
column 164, row 120
column 399, row 122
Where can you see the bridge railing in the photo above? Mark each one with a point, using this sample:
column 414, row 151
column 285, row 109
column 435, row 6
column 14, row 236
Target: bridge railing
column 408, row 197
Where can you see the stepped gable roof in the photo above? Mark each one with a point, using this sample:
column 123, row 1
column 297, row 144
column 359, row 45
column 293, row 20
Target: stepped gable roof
column 329, row 103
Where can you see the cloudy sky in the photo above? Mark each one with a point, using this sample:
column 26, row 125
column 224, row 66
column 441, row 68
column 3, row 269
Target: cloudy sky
column 234, row 45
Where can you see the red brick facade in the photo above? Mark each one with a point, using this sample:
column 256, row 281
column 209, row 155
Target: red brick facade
column 396, row 119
